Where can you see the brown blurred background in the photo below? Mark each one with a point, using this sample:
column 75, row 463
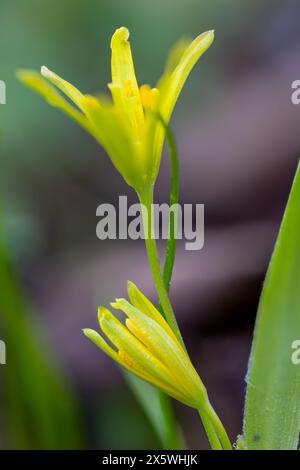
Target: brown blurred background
column 239, row 142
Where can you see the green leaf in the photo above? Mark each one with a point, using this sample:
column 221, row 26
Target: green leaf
column 272, row 413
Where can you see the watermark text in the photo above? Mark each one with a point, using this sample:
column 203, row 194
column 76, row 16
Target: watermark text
column 186, row 222
column 2, row 353
column 2, row 92
column 295, row 358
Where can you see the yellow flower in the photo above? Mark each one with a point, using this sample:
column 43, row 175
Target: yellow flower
column 147, row 347
column 127, row 127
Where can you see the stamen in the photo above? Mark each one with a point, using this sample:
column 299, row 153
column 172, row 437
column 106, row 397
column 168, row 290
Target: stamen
column 148, row 96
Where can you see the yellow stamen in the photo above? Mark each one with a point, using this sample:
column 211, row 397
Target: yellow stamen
column 90, row 102
column 148, row 96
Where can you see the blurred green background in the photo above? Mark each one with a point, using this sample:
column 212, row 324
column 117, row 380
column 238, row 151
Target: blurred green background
column 238, row 139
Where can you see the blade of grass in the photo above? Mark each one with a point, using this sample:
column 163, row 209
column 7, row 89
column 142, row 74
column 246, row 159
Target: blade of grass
column 272, row 411
column 40, row 409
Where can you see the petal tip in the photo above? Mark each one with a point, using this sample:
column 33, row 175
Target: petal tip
column 23, row 74
column 101, row 314
column 88, row 332
column 45, row 72
column 117, row 304
column 121, row 34
column 211, row 34
column 130, row 286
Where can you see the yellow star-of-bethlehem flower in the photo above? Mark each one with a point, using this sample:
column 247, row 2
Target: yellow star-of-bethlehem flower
column 127, row 127
column 147, row 347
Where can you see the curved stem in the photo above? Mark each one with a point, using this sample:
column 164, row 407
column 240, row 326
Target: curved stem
column 173, row 437
column 210, row 431
column 208, row 411
column 174, row 199
column 214, row 428
column 146, row 199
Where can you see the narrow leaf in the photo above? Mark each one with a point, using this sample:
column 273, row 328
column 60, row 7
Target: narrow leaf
column 272, row 413
column 39, row 407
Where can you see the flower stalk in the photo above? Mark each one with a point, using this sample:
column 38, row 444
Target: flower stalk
column 131, row 127
column 214, row 428
column 146, row 199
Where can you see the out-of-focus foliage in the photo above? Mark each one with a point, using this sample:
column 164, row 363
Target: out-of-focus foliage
column 38, row 410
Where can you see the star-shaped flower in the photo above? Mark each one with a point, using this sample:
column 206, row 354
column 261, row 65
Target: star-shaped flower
column 127, row 126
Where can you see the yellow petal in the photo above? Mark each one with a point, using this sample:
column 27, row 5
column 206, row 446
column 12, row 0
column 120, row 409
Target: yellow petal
column 34, row 81
column 125, row 341
column 170, row 87
column 165, row 349
column 135, row 369
column 176, row 54
column 149, row 96
column 125, row 361
column 102, row 344
column 111, row 133
column 142, row 303
column 122, row 67
column 65, row 87
column 139, row 334
column 124, row 85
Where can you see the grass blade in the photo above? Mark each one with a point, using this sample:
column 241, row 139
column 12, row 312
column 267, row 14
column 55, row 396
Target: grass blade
column 272, row 412
column 39, row 407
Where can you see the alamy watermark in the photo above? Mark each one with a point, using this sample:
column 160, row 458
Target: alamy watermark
column 126, row 222
column 295, row 358
column 2, row 353
column 2, row 92
column 295, row 96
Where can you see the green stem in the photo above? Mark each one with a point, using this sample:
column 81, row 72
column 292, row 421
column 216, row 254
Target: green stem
column 214, row 429
column 174, row 199
column 146, row 199
column 210, row 431
column 207, row 412
column 174, row 438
